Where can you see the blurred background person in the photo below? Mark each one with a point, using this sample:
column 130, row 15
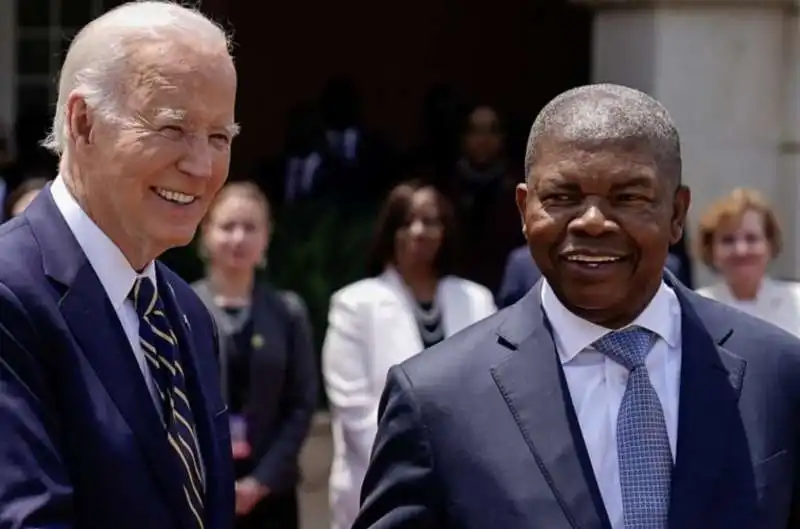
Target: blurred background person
column 303, row 170
column 266, row 358
column 679, row 262
column 21, row 196
column 482, row 188
column 520, row 275
column 412, row 301
column 739, row 236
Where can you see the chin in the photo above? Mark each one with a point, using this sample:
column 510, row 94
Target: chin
column 596, row 297
column 178, row 238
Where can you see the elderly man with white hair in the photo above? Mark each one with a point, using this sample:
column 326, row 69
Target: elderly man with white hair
column 110, row 410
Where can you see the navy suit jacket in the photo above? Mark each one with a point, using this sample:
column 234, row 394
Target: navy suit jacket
column 81, row 442
column 479, row 431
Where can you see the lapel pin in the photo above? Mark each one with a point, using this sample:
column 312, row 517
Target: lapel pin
column 257, row 341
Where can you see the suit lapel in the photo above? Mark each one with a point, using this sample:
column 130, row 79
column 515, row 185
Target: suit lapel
column 95, row 325
column 530, row 381
column 96, row 328
column 708, row 415
column 202, row 412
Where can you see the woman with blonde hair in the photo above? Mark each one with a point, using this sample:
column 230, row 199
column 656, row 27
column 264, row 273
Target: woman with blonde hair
column 267, row 362
column 739, row 237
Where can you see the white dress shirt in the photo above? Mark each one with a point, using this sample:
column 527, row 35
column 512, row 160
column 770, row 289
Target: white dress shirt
column 112, row 268
column 597, row 383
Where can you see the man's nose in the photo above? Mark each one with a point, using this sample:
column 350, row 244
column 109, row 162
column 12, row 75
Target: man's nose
column 592, row 221
column 198, row 160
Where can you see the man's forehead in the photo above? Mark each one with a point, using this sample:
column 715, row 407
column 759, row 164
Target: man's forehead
column 613, row 163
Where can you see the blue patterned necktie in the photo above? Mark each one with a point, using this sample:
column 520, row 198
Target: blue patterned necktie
column 645, row 457
column 160, row 347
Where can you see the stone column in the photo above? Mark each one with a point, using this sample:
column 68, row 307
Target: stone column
column 789, row 148
column 720, row 68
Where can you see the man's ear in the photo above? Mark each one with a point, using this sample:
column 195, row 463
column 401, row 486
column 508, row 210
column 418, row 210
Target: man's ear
column 680, row 208
column 521, row 197
column 79, row 121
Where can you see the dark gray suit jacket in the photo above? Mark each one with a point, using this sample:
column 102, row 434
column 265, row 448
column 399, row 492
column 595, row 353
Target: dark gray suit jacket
column 283, row 387
column 479, row 431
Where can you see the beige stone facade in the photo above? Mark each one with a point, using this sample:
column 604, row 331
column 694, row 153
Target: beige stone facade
column 729, row 72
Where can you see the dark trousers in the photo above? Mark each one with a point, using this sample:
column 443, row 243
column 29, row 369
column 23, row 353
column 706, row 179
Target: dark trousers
column 277, row 511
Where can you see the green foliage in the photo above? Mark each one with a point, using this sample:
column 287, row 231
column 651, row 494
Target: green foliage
column 318, row 248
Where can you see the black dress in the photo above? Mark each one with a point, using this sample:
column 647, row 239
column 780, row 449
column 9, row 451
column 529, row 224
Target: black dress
column 279, row 510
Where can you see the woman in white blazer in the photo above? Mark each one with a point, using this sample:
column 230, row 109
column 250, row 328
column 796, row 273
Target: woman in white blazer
column 411, row 302
column 739, row 237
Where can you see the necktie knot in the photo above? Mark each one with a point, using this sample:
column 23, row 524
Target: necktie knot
column 628, row 347
column 144, row 296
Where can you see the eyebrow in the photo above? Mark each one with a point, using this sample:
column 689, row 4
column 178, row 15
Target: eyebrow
column 636, row 181
column 172, row 114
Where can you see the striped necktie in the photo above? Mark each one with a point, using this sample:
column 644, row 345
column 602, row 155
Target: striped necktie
column 160, row 347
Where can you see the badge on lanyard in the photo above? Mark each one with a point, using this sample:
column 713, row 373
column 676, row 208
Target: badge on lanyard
column 240, row 446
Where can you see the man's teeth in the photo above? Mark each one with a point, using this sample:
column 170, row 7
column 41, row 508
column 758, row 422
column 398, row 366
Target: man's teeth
column 593, row 259
column 175, row 196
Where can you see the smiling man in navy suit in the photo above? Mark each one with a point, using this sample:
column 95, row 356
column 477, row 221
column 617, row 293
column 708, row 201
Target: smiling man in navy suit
column 110, row 410
column 610, row 396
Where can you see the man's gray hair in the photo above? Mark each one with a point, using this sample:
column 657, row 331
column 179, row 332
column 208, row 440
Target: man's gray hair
column 98, row 56
column 607, row 113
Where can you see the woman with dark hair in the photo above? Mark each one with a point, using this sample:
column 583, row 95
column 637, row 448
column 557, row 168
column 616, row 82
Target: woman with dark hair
column 412, row 301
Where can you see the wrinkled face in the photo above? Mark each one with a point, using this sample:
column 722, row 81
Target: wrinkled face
column 599, row 222
column 417, row 242
column 236, row 233
column 148, row 175
column 741, row 249
column 483, row 140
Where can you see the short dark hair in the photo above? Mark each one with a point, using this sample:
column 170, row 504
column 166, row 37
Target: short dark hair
column 600, row 113
column 394, row 214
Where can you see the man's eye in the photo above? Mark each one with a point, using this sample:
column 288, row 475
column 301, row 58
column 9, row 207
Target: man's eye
column 171, row 131
column 559, row 198
column 630, row 197
column 221, row 138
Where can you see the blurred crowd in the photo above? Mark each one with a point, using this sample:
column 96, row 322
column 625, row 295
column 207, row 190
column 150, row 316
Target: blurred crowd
column 455, row 191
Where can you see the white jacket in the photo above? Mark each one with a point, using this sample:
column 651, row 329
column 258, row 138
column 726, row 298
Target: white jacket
column 371, row 327
column 777, row 302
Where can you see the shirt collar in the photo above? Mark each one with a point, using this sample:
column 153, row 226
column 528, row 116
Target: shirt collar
column 109, row 263
column 573, row 334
